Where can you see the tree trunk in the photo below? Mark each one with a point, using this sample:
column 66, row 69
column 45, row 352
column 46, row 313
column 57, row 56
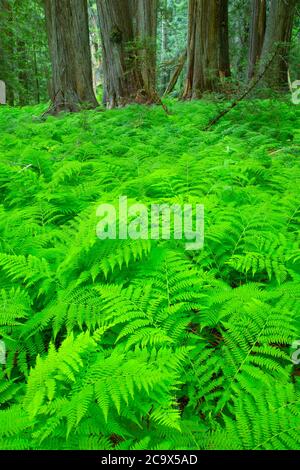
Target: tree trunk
column 224, row 57
column 257, row 34
column 37, row 81
column 146, row 30
column 23, row 74
column 95, row 47
column 68, row 35
column 165, row 75
column 203, row 48
column 7, row 50
column 127, row 77
column 278, row 37
column 240, row 37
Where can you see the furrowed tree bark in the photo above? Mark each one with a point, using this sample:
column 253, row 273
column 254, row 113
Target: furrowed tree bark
column 203, row 48
column 129, row 67
column 68, row 36
column 278, row 32
column 257, row 34
column 146, row 30
column 224, row 56
column 240, row 37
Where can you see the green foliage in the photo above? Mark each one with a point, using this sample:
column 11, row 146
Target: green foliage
column 140, row 344
column 24, row 55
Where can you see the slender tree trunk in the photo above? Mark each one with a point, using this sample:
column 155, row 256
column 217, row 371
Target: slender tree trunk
column 37, row 81
column 129, row 67
column 68, row 35
column 164, row 43
column 257, row 34
column 203, row 48
column 7, row 49
column 278, row 36
column 23, row 74
column 224, row 56
column 95, row 46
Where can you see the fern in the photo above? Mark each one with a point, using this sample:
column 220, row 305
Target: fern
column 122, row 344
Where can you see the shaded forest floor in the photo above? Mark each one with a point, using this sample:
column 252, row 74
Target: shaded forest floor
column 155, row 346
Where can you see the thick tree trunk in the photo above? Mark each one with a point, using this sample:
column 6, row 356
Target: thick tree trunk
column 146, row 30
column 224, row 56
column 240, row 37
column 203, row 48
column 68, row 35
column 129, row 66
column 257, row 34
column 278, row 37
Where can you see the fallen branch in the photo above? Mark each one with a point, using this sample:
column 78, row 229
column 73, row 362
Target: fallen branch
column 254, row 82
column 162, row 104
column 176, row 74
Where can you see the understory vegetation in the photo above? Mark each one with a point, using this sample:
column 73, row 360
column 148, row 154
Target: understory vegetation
column 123, row 344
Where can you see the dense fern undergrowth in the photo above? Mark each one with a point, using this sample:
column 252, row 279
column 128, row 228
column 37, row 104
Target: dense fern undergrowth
column 140, row 344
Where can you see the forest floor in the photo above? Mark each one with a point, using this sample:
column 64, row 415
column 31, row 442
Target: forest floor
column 164, row 318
